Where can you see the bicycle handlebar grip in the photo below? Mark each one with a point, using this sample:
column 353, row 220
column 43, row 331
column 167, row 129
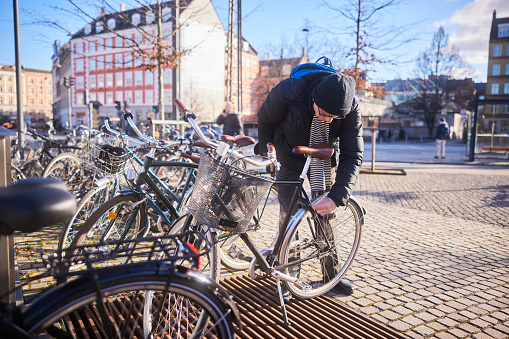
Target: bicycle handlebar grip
column 127, row 113
column 183, row 110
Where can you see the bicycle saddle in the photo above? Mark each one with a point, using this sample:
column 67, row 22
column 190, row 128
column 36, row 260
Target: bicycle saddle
column 241, row 140
column 34, row 203
column 318, row 151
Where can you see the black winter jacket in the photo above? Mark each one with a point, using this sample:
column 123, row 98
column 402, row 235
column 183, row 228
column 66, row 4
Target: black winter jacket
column 285, row 120
column 231, row 123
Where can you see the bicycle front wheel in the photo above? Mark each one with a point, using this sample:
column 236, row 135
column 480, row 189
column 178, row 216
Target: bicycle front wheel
column 322, row 255
column 123, row 217
column 178, row 302
column 66, row 167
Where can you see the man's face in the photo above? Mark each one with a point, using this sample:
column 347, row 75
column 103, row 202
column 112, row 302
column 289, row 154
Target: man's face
column 322, row 115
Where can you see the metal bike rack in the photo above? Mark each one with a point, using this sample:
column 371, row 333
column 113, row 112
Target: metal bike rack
column 7, row 271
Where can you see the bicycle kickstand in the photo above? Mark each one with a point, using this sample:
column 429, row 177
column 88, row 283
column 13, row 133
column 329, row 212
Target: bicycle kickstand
column 282, row 301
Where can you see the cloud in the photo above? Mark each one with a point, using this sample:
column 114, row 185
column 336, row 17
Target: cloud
column 472, row 25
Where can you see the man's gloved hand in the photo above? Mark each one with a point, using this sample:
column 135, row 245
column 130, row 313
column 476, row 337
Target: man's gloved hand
column 325, row 206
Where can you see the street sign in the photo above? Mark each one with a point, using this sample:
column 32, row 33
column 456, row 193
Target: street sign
column 463, row 111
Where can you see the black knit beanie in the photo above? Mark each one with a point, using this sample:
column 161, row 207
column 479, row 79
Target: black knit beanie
column 334, row 94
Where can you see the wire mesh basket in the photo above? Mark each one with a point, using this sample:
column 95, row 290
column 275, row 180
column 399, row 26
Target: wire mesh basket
column 225, row 197
column 105, row 154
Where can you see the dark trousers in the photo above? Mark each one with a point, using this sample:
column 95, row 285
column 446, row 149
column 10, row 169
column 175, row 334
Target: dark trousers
column 285, row 194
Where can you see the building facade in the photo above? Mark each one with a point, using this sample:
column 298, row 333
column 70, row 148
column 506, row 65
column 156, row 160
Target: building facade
column 37, row 95
column 106, row 68
column 495, row 120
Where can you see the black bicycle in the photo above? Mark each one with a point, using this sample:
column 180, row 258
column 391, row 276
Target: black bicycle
column 105, row 300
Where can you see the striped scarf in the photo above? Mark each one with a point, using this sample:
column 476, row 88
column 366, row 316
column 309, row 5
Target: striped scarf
column 320, row 170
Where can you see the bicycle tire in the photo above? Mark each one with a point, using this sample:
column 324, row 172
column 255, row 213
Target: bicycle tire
column 32, row 167
column 102, row 224
column 173, row 176
column 16, row 174
column 66, row 167
column 87, row 205
column 302, row 243
column 235, row 255
column 125, row 291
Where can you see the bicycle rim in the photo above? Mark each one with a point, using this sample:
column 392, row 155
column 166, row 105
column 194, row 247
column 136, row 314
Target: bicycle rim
column 178, row 303
column 323, row 260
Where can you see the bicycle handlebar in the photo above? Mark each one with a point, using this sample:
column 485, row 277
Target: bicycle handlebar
column 189, row 117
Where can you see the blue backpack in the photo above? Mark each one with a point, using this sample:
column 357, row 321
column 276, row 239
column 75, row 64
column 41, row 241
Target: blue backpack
column 312, row 67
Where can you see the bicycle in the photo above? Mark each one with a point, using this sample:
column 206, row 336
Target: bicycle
column 313, row 253
column 109, row 302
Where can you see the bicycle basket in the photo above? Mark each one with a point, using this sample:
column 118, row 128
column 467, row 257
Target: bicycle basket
column 225, row 197
column 105, row 154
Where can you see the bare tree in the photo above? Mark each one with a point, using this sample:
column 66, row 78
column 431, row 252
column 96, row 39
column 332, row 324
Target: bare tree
column 370, row 38
column 434, row 69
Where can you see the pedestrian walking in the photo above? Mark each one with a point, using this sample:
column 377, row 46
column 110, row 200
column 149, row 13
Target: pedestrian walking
column 312, row 109
column 230, row 119
column 441, row 135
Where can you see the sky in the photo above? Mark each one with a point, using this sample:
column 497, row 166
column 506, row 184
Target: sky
column 269, row 25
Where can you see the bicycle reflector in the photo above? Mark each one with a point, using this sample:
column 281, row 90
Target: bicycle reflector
column 196, row 261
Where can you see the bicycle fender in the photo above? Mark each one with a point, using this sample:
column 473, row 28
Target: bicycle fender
column 363, row 210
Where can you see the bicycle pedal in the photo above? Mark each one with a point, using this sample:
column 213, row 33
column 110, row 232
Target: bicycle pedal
column 303, row 286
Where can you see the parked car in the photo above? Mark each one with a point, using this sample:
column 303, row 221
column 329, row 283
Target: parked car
column 8, row 122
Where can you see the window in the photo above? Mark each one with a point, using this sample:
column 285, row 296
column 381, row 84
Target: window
column 138, row 97
column 167, row 96
column 506, row 88
column 79, row 48
column 39, row 91
column 100, row 44
column 138, row 78
column 79, row 82
column 91, row 46
column 1, row 100
column 31, row 90
column 138, row 38
column 129, row 60
column 497, row 50
column 111, row 23
column 109, row 98
column 109, row 61
column 31, row 101
column 506, row 69
column 166, row 14
column 494, row 88
column 129, row 97
column 100, row 97
column 128, row 79
column 119, row 80
column 100, row 81
column 503, row 30
column 9, row 78
column 79, row 65
column 149, row 97
column 494, row 109
column 100, row 62
column 88, row 29
column 41, row 102
column 505, row 108
column 92, row 81
column 48, row 82
column 93, row 96
column 119, row 96
column 150, row 17
column 30, row 80
column 48, row 91
column 118, row 61
column 138, row 61
column 39, row 81
column 50, row 102
column 118, row 42
column 98, row 27
column 10, row 101
column 149, row 78
column 109, row 80
column 136, row 19
column 167, row 76
column 9, row 89
column 91, row 64
column 109, row 43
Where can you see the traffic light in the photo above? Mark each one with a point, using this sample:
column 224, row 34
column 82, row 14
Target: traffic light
column 65, row 82
column 117, row 105
column 155, row 109
column 71, row 81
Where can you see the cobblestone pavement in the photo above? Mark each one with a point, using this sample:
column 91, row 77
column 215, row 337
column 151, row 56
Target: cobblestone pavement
column 433, row 261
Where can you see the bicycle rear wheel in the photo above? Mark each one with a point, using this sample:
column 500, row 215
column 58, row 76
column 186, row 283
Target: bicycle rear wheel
column 322, row 258
column 179, row 301
column 67, row 168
